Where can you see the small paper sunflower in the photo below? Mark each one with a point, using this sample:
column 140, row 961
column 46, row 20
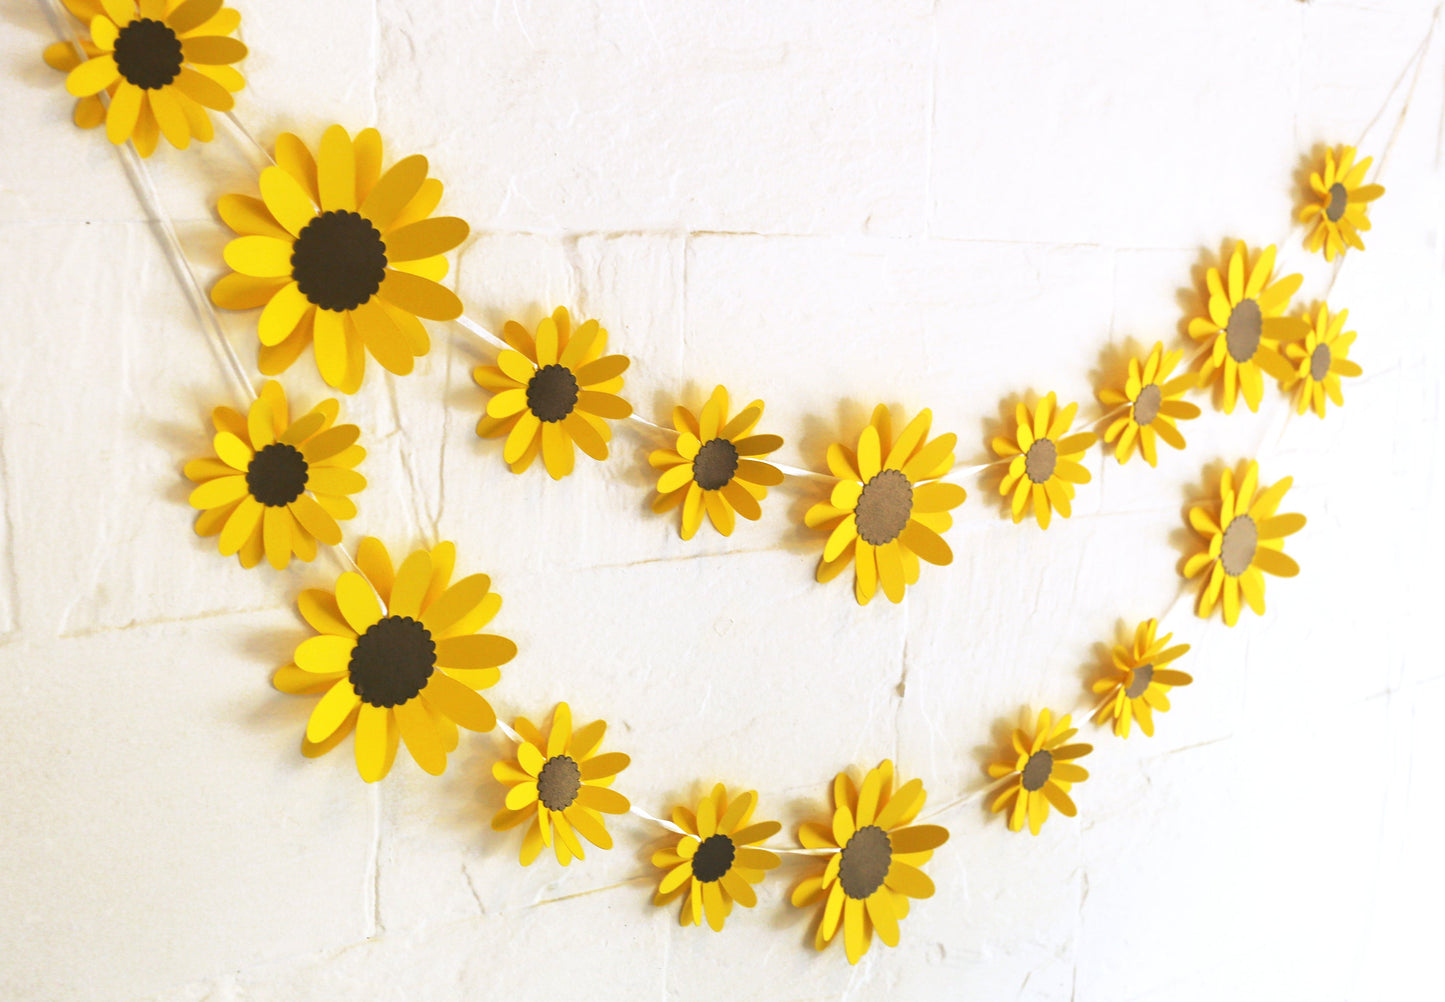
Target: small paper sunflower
column 162, row 63
column 1045, row 768
column 1045, row 465
column 398, row 658
column 1344, row 199
column 341, row 256
column 553, row 392
column 717, row 861
column 1248, row 539
column 1155, row 403
column 712, row 470
column 1140, row 681
column 884, row 514
column 276, row 486
column 560, row 784
column 1246, row 321
column 873, row 868
column 1320, row 361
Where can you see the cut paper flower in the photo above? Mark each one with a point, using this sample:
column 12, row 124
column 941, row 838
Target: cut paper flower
column 1247, row 324
column 1320, row 360
column 1045, row 464
column 1245, row 544
column 560, row 784
column 553, row 392
column 398, row 658
column 1154, row 403
column 163, row 64
column 276, row 487
column 884, row 514
column 873, row 866
column 1040, row 768
column 717, row 861
column 1138, row 685
column 341, row 256
column 715, row 468
column 1339, row 215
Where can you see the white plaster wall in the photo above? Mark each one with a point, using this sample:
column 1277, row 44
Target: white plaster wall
column 824, row 203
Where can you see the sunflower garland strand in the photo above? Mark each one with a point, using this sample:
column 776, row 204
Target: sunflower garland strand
column 1339, row 215
column 1041, row 768
column 1320, row 361
column 716, row 862
column 1154, row 402
column 1140, row 681
column 1044, row 465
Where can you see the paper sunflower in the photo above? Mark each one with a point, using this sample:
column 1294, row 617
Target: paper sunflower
column 884, row 515
column 1139, row 683
column 276, row 486
column 1043, row 763
column 1045, row 465
column 874, row 868
column 1344, row 198
column 716, row 862
column 1154, row 404
column 162, row 63
column 1246, row 321
column 398, row 658
column 552, row 392
column 560, row 784
column 341, row 256
column 1320, row 360
column 1248, row 539
column 712, row 469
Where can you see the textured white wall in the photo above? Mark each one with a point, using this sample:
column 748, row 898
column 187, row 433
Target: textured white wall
column 824, row 204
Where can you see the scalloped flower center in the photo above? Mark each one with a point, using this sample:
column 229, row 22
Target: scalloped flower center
column 1037, row 770
column 713, row 858
column 884, row 507
column 552, row 393
column 392, row 661
column 339, row 260
column 1040, row 460
column 148, row 53
column 1146, row 404
column 715, row 464
column 1241, row 336
column 1240, row 539
column 559, row 782
column 865, row 862
column 277, row 475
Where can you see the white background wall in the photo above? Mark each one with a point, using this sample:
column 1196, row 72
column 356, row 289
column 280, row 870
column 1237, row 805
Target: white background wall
column 825, row 204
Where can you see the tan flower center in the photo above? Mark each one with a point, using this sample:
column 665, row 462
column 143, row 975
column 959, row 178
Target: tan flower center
column 884, row 507
column 1146, row 404
column 392, row 661
column 713, row 859
column 277, row 475
column 1240, row 539
column 1040, row 460
column 1246, row 324
column 1320, row 362
column 1037, row 770
column 558, row 782
column 865, row 862
column 715, row 464
column 1339, row 199
column 552, row 393
column 1139, row 680
column 148, row 53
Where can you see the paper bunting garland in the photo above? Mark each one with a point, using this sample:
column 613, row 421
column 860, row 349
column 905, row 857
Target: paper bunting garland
column 1320, row 362
column 1040, row 768
column 716, row 862
column 1343, row 199
column 1154, row 402
column 1044, row 464
column 1138, row 684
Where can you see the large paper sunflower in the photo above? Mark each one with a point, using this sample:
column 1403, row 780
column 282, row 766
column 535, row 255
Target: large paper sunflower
column 162, row 64
column 1247, row 324
column 552, row 392
column 1138, row 685
column 1320, row 360
column 873, row 868
column 398, row 658
column 342, row 257
column 560, row 783
column 717, row 861
column 1154, row 402
column 1343, row 201
column 715, row 469
column 884, row 514
column 1245, row 544
column 276, row 486
column 1045, row 464
column 1041, row 768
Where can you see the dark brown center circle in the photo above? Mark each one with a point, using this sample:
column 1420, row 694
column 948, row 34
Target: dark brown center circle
column 1139, row 681
column 1320, row 362
column 713, row 858
column 883, row 507
column 1037, row 770
column 1040, row 460
column 1241, row 336
column 339, row 260
column 277, row 475
column 1146, row 404
column 1237, row 550
column 715, row 464
column 865, row 862
column 392, row 661
column 552, row 393
column 558, row 782
column 1339, row 199
column 148, row 53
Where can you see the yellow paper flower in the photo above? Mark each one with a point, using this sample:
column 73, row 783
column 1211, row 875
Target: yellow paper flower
column 1044, row 767
column 1248, row 539
column 342, row 257
column 1246, row 321
column 1140, row 681
column 1344, row 198
column 560, row 784
column 1154, row 402
column 162, row 63
column 717, row 861
column 874, row 867
column 884, row 515
column 712, row 470
column 1045, row 464
column 1320, row 361
column 398, row 658
column 553, row 392
column 276, row 486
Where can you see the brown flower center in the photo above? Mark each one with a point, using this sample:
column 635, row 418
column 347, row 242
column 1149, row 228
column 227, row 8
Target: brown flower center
column 392, row 661
column 1339, row 199
column 713, row 858
column 1040, row 460
column 1146, row 404
column 1240, row 539
column 884, row 507
column 1320, row 362
column 1246, row 324
column 865, row 862
column 1139, row 680
column 339, row 260
column 558, row 782
column 277, row 475
column 1037, row 770
column 148, row 53
column 715, row 464
column 552, row 393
